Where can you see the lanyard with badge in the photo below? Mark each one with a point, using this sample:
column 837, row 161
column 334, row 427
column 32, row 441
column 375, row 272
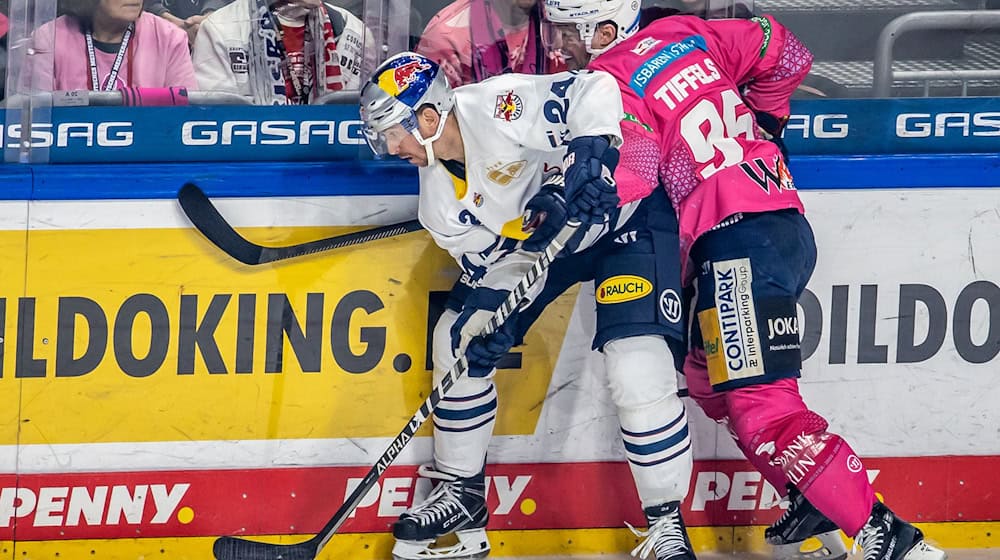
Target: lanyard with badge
column 115, row 67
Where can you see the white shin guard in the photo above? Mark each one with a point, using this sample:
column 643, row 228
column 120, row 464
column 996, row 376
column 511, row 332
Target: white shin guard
column 464, row 419
column 654, row 427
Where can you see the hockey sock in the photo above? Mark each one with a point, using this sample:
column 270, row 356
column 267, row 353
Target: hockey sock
column 778, row 428
column 654, row 425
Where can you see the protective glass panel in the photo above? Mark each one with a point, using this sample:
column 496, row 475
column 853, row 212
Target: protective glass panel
column 476, row 39
column 896, row 48
column 29, row 71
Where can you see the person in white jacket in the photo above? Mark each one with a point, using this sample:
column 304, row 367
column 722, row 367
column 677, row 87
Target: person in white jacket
column 288, row 52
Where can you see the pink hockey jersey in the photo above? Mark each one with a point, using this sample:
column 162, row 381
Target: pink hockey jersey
column 690, row 88
column 158, row 57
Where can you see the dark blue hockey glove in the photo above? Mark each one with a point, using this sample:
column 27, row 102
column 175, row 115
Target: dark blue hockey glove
column 771, row 128
column 544, row 216
column 477, row 310
column 484, row 352
column 591, row 193
column 481, row 351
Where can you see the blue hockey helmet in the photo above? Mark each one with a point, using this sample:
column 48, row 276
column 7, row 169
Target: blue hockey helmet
column 400, row 87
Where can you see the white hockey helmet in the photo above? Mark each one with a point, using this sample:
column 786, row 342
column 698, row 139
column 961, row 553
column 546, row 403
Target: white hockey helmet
column 588, row 14
column 400, row 87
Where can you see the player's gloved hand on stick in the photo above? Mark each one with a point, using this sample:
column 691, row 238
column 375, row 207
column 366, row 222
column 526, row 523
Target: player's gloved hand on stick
column 484, row 352
column 771, row 128
column 545, row 215
column 591, row 193
column 481, row 351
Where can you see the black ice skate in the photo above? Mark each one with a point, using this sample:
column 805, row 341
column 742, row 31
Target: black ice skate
column 887, row 537
column 666, row 535
column 800, row 522
column 455, row 506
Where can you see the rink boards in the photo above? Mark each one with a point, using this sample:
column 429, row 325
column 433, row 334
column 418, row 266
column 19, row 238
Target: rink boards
column 157, row 394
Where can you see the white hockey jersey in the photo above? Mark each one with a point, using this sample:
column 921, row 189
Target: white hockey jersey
column 515, row 128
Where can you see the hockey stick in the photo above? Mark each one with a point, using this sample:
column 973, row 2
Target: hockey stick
column 234, row 548
column 206, row 217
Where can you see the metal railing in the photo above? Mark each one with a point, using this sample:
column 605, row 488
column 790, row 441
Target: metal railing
column 975, row 20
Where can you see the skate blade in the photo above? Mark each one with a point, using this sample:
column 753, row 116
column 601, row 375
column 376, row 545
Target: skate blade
column 824, row 546
column 470, row 544
column 924, row 551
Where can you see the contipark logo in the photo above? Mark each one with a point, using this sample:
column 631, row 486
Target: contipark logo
column 619, row 289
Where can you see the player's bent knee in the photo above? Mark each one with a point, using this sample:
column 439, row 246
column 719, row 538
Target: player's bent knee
column 798, row 443
column 640, row 371
column 443, row 358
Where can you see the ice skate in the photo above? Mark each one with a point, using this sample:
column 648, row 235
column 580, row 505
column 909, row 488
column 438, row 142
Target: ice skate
column 800, row 522
column 456, row 506
column 887, row 537
column 666, row 535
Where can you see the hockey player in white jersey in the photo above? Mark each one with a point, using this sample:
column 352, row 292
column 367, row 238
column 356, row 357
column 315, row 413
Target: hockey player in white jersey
column 491, row 157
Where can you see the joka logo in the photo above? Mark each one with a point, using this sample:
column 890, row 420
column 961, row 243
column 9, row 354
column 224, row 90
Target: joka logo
column 619, row 289
column 670, row 305
column 782, row 326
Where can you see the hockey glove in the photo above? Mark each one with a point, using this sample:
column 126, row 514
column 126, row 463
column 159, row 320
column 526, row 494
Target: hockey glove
column 771, row 128
column 484, row 352
column 544, row 216
column 478, row 309
column 591, row 193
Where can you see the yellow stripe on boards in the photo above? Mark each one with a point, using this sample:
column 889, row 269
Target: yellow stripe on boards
column 548, row 542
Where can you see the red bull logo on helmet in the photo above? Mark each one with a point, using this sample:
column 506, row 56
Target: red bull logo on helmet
column 397, row 79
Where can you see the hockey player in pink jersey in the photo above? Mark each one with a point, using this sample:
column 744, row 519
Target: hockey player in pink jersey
column 697, row 94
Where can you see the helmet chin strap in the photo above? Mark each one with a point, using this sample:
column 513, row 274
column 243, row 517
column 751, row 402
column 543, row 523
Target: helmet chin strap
column 427, row 143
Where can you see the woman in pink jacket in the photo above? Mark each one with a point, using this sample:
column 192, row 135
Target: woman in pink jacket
column 105, row 45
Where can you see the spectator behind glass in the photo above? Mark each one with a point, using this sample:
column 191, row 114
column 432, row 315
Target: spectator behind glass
column 302, row 49
column 186, row 14
column 4, row 28
column 130, row 49
column 475, row 39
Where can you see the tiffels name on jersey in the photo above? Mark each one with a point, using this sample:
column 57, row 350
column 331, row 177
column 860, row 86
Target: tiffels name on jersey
column 682, row 84
column 71, row 506
column 619, row 289
column 667, row 55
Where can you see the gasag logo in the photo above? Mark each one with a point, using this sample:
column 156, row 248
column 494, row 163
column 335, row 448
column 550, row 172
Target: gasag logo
column 619, row 289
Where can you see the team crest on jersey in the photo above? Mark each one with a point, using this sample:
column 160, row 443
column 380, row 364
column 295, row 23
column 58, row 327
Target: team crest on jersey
column 509, row 107
column 238, row 60
column 645, row 45
column 503, row 173
column 477, row 199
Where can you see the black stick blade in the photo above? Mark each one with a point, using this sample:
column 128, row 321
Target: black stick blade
column 206, row 217
column 234, row 548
